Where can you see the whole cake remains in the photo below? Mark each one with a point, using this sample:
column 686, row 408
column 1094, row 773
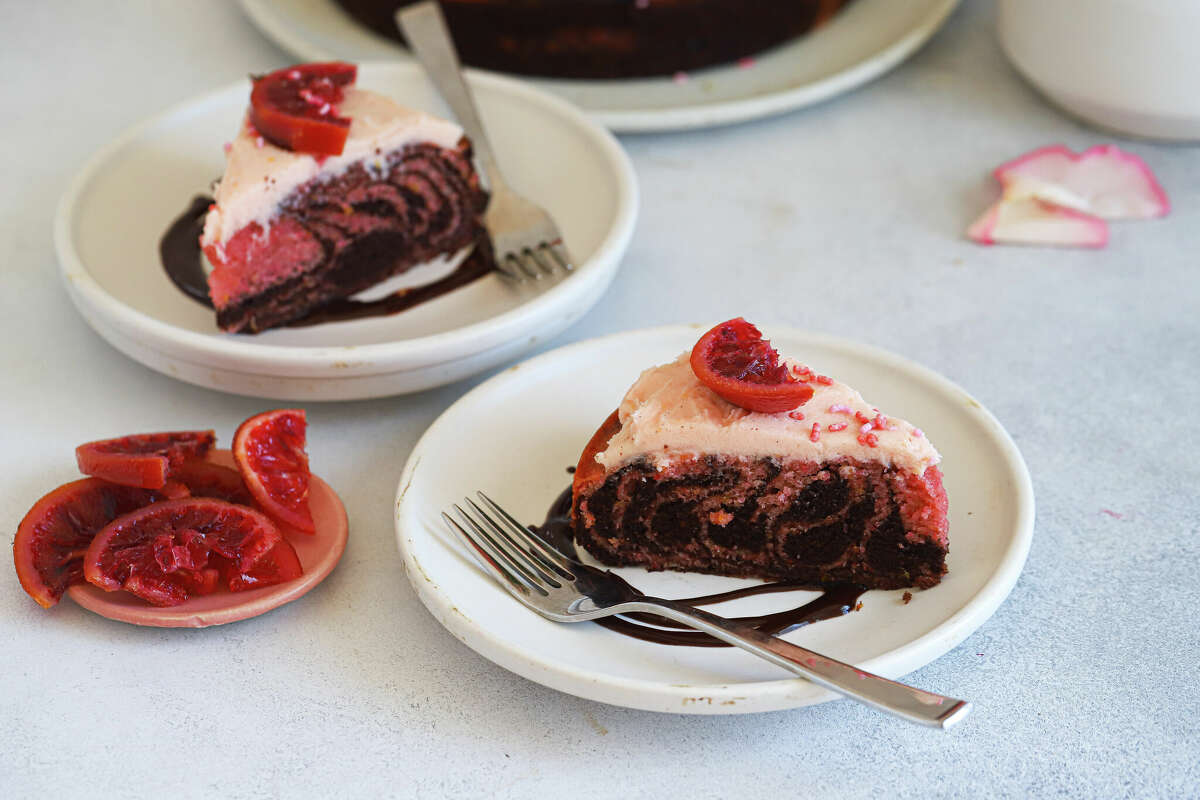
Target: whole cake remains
column 609, row 38
column 340, row 190
column 831, row 490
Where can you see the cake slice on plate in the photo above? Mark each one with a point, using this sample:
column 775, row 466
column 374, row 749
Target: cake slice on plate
column 328, row 191
column 732, row 461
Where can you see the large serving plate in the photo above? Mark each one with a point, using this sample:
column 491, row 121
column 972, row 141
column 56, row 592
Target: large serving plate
column 864, row 41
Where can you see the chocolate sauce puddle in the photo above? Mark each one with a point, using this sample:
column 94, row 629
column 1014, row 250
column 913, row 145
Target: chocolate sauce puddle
column 835, row 602
column 179, row 250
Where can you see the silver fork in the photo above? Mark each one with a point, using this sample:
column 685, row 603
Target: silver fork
column 564, row 589
column 527, row 243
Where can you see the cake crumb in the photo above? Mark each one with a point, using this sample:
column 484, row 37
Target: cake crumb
column 906, row 598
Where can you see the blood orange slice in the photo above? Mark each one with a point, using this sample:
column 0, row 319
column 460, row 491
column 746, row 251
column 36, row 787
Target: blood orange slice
column 170, row 551
column 735, row 361
column 296, row 108
column 269, row 451
column 53, row 537
column 145, row 460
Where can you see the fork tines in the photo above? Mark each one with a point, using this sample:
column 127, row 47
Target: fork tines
column 546, row 260
column 507, row 549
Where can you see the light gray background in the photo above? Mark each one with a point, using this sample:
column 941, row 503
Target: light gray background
column 845, row 218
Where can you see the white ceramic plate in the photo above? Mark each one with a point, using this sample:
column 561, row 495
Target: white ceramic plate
column 515, row 435
column 111, row 219
column 866, row 40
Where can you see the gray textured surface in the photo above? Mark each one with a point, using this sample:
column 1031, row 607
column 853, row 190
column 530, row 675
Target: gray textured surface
column 1085, row 681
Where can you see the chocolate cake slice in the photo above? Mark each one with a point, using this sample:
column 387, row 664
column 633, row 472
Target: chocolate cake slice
column 831, row 492
column 290, row 231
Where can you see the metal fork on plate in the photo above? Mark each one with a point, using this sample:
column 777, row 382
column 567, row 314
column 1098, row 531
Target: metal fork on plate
column 528, row 244
column 564, row 589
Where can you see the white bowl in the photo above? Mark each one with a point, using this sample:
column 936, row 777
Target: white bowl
column 1126, row 65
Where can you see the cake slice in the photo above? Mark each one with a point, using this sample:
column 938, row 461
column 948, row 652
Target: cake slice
column 329, row 190
column 829, row 491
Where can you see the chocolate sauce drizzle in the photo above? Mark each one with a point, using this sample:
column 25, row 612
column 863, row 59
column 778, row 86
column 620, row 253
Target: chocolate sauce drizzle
column 179, row 250
column 835, row 602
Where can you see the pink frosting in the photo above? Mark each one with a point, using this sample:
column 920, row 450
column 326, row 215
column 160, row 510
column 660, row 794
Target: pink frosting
column 668, row 414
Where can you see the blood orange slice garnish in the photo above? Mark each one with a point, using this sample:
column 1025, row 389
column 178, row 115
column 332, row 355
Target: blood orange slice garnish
column 738, row 364
column 269, row 451
column 170, row 551
column 53, row 537
column 145, row 460
column 296, row 108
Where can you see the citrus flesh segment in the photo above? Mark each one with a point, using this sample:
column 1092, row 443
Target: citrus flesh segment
column 145, row 460
column 296, row 108
column 177, row 549
column 269, row 451
column 738, row 364
column 205, row 479
column 52, row 538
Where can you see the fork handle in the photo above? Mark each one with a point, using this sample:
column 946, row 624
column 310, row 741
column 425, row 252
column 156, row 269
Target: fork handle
column 425, row 29
column 908, row 702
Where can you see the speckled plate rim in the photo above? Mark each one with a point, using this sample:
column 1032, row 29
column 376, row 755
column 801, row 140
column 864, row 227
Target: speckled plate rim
column 582, row 287
column 271, row 18
column 732, row 698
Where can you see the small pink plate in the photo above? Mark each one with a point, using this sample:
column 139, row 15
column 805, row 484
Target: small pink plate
column 319, row 553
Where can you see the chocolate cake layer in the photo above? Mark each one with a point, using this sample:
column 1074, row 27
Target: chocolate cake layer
column 609, row 38
column 842, row 521
column 367, row 224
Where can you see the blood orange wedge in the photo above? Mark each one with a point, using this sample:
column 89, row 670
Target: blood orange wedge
column 269, row 451
column 735, row 361
column 177, row 549
column 53, row 537
column 144, row 459
column 296, row 108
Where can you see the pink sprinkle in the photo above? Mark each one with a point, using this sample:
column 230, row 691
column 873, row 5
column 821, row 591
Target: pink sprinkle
column 861, row 417
column 918, row 433
column 866, row 428
column 311, row 97
column 745, row 63
column 227, row 146
column 824, row 380
column 815, row 434
column 259, row 142
column 839, row 408
column 681, row 77
column 869, row 439
column 324, row 109
column 802, row 374
column 294, row 74
column 1112, row 513
column 796, row 415
column 834, row 427
column 880, row 421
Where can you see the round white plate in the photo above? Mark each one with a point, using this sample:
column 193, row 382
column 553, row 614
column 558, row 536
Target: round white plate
column 514, row 436
column 864, row 41
column 110, row 221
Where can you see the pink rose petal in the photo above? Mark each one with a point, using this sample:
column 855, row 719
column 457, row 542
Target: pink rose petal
column 1028, row 220
column 1104, row 181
